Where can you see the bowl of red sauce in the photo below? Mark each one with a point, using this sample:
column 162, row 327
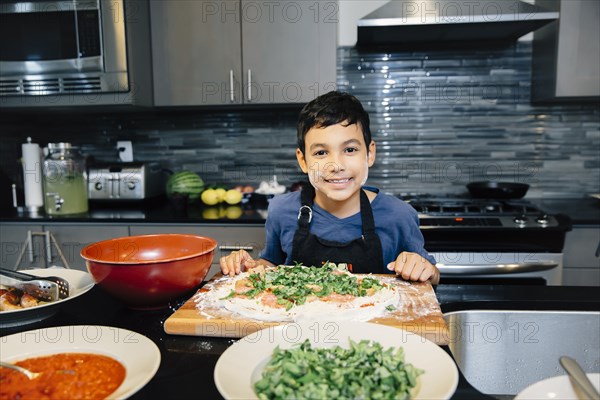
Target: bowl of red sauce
column 150, row 271
column 64, row 376
column 77, row 362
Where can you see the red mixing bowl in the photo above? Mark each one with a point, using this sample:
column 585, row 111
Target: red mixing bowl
column 148, row 271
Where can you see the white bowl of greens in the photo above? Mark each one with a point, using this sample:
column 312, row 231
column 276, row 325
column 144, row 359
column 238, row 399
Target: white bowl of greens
column 321, row 359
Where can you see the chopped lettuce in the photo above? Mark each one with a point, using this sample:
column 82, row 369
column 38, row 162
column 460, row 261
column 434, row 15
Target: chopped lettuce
column 363, row 371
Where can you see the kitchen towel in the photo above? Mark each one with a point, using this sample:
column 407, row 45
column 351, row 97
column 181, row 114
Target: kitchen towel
column 32, row 175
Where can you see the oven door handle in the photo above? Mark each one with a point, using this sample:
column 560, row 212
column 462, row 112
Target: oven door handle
column 495, row 269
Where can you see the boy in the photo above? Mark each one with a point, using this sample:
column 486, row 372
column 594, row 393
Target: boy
column 336, row 218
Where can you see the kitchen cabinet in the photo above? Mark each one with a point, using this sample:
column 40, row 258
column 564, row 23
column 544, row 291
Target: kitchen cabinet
column 229, row 237
column 582, row 256
column 242, row 52
column 13, row 239
column 566, row 53
column 70, row 239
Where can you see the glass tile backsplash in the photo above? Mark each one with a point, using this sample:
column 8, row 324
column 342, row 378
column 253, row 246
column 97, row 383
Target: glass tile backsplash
column 440, row 120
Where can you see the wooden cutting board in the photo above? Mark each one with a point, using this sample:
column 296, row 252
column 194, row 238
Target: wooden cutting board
column 419, row 312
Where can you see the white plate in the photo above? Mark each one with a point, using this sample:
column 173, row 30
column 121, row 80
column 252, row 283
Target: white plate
column 559, row 387
column 241, row 364
column 138, row 354
column 80, row 282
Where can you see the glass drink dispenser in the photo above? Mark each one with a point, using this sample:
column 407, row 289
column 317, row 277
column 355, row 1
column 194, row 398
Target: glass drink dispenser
column 65, row 180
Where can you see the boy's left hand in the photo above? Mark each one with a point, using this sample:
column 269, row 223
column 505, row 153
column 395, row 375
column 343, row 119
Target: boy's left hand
column 414, row 267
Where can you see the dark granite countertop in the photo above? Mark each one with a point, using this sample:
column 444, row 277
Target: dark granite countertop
column 158, row 210
column 581, row 211
column 187, row 363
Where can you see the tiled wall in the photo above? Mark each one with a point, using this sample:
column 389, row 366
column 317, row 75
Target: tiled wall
column 446, row 118
column 440, row 120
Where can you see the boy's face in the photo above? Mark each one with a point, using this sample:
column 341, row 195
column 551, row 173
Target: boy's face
column 337, row 161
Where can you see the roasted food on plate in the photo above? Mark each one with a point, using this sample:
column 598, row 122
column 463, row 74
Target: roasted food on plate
column 15, row 299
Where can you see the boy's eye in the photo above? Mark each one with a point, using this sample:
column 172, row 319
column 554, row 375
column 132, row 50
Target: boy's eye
column 319, row 153
column 351, row 149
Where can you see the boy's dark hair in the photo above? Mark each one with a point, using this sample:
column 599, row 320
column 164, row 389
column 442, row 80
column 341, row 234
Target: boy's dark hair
column 330, row 109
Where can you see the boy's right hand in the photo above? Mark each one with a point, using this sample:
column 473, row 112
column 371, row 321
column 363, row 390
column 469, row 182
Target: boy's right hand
column 236, row 262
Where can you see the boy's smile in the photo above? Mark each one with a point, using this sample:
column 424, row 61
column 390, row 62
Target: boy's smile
column 337, row 162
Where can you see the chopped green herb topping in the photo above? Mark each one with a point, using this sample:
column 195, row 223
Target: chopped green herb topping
column 364, row 371
column 293, row 285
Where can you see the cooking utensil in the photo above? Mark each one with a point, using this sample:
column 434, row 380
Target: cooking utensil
column 80, row 283
column 24, row 371
column 38, row 288
column 579, row 377
column 497, row 190
column 48, row 288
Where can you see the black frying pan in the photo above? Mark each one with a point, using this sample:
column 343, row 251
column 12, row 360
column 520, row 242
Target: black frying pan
column 497, row 190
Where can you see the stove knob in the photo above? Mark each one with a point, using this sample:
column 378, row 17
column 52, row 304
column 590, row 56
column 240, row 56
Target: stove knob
column 521, row 220
column 542, row 219
column 98, row 185
column 131, row 185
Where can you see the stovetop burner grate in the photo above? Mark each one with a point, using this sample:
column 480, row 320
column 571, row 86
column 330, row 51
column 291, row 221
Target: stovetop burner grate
column 472, row 207
column 494, row 226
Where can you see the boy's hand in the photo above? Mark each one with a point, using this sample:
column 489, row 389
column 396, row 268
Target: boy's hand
column 236, row 262
column 414, row 267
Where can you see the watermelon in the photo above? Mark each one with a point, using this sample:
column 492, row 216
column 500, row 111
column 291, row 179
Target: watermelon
column 185, row 182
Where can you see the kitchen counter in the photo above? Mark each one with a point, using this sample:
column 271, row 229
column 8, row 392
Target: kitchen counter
column 157, row 211
column 187, row 364
column 581, row 211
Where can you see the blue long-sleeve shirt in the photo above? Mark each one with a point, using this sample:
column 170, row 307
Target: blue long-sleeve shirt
column 396, row 223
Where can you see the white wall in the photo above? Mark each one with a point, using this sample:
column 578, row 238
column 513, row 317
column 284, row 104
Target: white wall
column 350, row 11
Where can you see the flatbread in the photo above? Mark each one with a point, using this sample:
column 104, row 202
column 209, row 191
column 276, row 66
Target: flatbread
column 333, row 307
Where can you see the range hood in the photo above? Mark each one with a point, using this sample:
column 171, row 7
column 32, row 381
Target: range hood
column 450, row 23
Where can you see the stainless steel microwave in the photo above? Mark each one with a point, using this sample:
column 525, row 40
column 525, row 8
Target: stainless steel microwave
column 62, row 47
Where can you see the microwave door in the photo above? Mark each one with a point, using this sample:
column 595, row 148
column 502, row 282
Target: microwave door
column 50, row 38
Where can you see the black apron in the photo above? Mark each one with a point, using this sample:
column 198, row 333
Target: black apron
column 363, row 255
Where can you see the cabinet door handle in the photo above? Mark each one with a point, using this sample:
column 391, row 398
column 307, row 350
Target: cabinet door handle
column 249, row 84
column 232, row 90
column 29, row 247
column 48, row 248
column 233, row 248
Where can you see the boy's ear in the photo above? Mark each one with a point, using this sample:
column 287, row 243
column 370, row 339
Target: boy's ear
column 372, row 151
column 301, row 160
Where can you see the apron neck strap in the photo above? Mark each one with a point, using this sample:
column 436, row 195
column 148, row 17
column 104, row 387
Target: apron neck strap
column 305, row 213
column 366, row 214
column 307, row 196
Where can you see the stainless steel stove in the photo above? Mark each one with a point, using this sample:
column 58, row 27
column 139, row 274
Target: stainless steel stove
column 485, row 240
column 456, row 212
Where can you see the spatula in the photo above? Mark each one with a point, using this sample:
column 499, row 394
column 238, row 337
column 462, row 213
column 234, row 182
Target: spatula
column 574, row 370
column 49, row 288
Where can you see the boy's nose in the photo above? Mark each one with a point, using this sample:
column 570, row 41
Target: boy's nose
column 334, row 166
column 335, row 163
